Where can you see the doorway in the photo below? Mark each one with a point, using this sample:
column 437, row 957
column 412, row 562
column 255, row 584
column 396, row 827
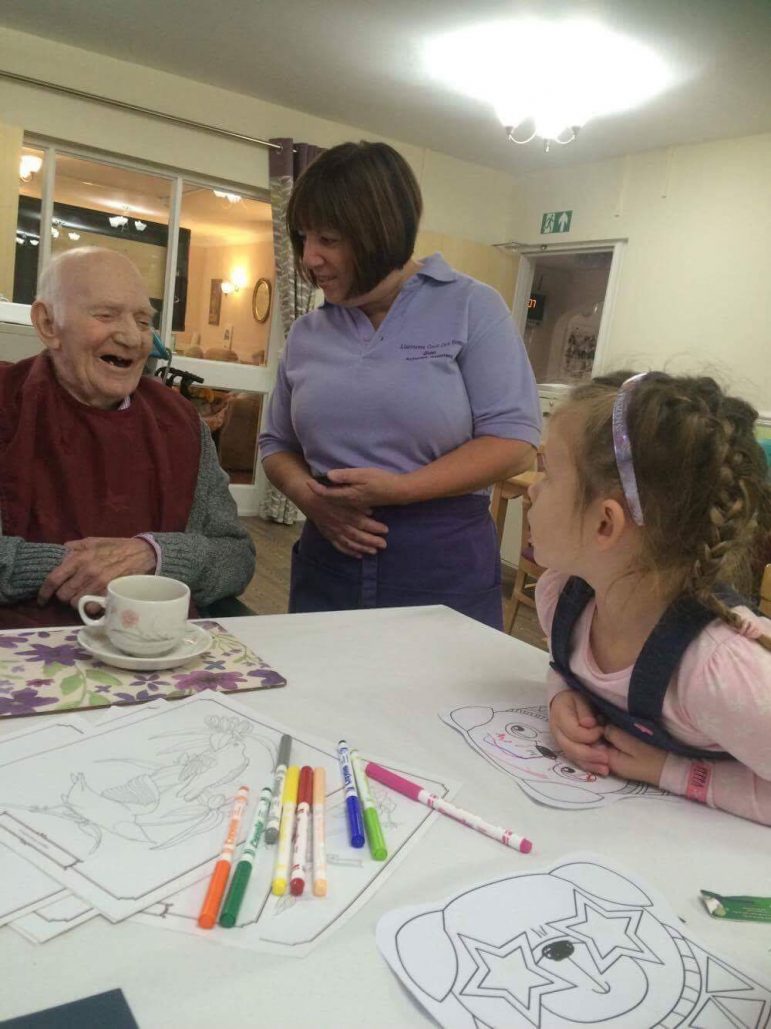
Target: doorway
column 562, row 306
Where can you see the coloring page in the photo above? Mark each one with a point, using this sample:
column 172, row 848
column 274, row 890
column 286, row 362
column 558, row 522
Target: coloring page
column 517, row 740
column 137, row 809
column 23, row 887
column 294, row 925
column 576, row 945
column 51, row 920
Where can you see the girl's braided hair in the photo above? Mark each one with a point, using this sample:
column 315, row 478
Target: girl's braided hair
column 701, row 476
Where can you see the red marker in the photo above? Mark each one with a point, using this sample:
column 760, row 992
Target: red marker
column 304, row 797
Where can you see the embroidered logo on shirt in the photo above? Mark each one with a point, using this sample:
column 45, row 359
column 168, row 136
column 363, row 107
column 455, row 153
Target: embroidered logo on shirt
column 424, row 351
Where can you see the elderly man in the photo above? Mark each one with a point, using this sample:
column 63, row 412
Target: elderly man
column 104, row 472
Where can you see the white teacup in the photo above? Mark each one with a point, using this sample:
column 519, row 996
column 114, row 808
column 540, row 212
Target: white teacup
column 145, row 615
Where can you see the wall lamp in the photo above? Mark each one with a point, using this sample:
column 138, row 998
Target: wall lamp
column 235, row 283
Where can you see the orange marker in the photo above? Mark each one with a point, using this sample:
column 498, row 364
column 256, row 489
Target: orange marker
column 219, row 879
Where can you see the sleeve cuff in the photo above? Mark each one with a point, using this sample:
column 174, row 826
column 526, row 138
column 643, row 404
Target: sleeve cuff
column 149, row 538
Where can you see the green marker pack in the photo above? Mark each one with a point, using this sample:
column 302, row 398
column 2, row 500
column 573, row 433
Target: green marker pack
column 740, row 909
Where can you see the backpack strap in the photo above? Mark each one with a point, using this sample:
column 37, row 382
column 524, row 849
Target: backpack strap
column 662, row 652
column 575, row 595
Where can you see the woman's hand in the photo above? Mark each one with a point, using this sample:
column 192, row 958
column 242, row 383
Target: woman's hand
column 349, row 529
column 363, row 488
column 578, row 733
column 631, row 758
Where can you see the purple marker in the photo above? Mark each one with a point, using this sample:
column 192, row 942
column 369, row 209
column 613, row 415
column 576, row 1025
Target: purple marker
column 352, row 802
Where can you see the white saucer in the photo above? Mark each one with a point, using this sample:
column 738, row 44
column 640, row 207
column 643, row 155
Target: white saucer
column 195, row 642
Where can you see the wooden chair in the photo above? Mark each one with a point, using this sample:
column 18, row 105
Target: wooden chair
column 765, row 592
column 528, row 573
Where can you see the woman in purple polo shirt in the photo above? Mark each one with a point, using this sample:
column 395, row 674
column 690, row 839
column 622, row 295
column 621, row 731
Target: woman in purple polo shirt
column 408, row 392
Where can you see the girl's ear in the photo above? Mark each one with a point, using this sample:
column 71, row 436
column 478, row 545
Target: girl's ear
column 609, row 522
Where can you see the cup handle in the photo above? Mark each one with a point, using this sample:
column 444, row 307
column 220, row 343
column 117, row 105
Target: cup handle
column 82, row 609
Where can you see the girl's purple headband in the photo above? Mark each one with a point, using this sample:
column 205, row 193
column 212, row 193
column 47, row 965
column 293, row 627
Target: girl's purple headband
column 622, row 447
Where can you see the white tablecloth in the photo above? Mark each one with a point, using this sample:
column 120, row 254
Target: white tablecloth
column 380, row 678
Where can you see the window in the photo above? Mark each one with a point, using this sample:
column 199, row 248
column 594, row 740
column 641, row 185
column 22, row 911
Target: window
column 223, row 244
column 230, row 252
column 28, row 225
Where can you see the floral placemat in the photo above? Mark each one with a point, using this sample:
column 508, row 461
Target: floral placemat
column 47, row 670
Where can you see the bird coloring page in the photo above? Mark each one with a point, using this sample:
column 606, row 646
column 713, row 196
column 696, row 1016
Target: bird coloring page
column 137, row 809
column 579, row 944
column 518, row 742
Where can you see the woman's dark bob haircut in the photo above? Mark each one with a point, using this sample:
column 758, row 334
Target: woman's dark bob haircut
column 368, row 194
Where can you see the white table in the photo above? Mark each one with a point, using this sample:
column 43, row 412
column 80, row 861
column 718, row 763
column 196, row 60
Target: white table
column 380, row 678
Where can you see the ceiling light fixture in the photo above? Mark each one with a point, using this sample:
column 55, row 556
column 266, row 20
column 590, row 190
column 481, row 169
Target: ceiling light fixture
column 29, row 165
column 547, row 79
column 140, row 226
column 118, row 220
column 232, row 198
column 73, row 235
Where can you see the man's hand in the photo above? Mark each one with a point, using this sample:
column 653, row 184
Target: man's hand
column 578, row 733
column 631, row 758
column 349, row 529
column 362, row 488
column 90, row 564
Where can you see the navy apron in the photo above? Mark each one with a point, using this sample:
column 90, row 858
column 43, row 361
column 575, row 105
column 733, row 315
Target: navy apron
column 438, row 552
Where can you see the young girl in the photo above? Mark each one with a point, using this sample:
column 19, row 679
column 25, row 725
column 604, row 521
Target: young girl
column 655, row 491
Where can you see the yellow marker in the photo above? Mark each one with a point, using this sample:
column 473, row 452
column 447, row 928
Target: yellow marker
column 319, row 844
column 286, row 830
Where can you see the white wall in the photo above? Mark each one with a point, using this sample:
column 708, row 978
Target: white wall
column 694, row 286
column 461, row 199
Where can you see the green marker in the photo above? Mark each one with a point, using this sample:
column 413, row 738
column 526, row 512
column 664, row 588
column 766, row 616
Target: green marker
column 375, row 838
column 741, row 909
column 240, row 879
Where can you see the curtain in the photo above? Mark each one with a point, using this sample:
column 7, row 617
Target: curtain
column 295, row 296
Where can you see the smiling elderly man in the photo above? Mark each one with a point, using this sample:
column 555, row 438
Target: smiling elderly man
column 104, row 472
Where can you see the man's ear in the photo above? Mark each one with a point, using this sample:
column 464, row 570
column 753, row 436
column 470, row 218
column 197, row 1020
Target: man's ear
column 42, row 317
column 609, row 522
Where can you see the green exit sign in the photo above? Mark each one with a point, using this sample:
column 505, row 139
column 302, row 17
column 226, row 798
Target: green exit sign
column 556, row 221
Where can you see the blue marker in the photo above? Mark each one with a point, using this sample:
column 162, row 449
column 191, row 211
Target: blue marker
column 352, row 803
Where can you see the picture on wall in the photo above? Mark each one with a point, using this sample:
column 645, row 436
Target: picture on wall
column 215, row 301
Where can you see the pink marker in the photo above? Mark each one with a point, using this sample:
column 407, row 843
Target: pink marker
column 415, row 792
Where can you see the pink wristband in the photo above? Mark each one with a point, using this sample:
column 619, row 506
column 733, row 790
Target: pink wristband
column 699, row 776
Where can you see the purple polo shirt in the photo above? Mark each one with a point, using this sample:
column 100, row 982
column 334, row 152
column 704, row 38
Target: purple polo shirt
column 445, row 366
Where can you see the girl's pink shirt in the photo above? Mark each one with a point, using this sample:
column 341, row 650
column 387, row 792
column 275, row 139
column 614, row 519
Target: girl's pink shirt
column 719, row 699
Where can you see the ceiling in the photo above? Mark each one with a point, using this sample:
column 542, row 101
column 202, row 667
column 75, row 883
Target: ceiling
column 360, row 63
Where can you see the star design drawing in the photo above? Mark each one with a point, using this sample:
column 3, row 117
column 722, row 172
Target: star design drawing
column 509, row 972
column 609, row 935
